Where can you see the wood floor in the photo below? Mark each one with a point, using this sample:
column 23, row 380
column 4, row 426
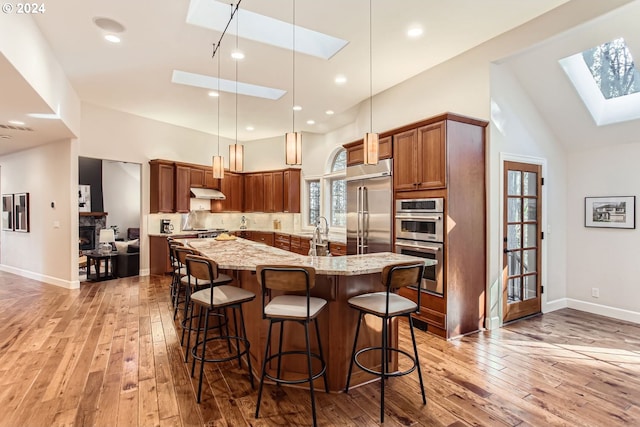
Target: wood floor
column 109, row 355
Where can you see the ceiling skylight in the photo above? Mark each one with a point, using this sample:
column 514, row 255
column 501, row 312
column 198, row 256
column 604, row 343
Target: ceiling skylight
column 214, row 15
column 607, row 81
column 208, row 82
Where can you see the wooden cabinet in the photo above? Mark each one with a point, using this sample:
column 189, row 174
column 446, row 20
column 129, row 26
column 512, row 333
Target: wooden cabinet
column 265, row 237
column 420, row 158
column 282, row 241
column 196, row 177
column 210, row 181
column 337, row 248
column 355, row 150
column 291, row 191
column 233, row 189
column 445, row 157
column 161, row 186
column 183, row 184
column 159, row 255
column 300, row 245
column 277, row 203
column 267, row 182
column 254, row 192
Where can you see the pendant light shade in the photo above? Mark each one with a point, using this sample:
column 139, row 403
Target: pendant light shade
column 236, row 158
column 371, row 146
column 218, row 167
column 293, row 148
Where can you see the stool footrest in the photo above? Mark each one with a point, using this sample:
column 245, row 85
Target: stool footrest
column 237, row 355
column 299, row 381
column 386, row 374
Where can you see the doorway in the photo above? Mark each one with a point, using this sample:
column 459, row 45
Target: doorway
column 522, row 237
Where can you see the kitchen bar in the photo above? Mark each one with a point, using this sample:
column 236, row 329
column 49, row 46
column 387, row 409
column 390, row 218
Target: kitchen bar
column 337, row 280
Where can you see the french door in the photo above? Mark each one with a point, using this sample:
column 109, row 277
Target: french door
column 521, row 293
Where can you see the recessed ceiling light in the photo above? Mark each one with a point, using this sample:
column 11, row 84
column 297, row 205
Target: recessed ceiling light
column 414, row 32
column 250, row 128
column 237, row 54
column 297, row 108
column 208, row 82
column 16, row 122
column 329, row 112
column 47, row 116
column 311, row 122
column 340, row 80
column 214, row 94
column 112, row 38
column 108, row 24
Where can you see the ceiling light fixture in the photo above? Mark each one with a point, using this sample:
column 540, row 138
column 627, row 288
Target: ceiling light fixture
column 217, row 162
column 16, row 122
column 297, row 108
column 414, row 32
column 311, row 122
column 329, row 112
column 250, row 128
column 236, row 151
column 112, row 38
column 214, row 94
column 293, row 139
column 237, row 54
column 340, row 80
column 371, row 140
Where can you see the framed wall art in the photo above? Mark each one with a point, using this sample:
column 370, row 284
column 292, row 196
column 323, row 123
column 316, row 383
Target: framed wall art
column 7, row 212
column 21, row 212
column 610, row 212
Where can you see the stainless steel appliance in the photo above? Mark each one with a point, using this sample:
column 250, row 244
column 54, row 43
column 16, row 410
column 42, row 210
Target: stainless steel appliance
column 369, row 206
column 432, row 277
column 420, row 219
column 210, row 233
column 420, row 233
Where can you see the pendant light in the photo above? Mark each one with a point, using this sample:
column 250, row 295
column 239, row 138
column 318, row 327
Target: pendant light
column 293, row 139
column 236, row 151
column 218, row 161
column 371, row 140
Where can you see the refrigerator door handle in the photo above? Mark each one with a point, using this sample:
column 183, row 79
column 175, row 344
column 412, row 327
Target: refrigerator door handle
column 358, row 213
column 365, row 220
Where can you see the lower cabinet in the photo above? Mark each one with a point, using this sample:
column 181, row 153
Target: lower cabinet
column 265, row 237
column 337, row 248
column 282, row 241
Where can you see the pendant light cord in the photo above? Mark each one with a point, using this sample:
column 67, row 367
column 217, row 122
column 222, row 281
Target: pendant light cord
column 218, row 102
column 293, row 70
column 370, row 72
column 237, row 38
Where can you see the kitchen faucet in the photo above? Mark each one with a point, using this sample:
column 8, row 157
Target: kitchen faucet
column 326, row 226
column 318, row 244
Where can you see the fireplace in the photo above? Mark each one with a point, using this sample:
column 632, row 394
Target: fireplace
column 87, row 238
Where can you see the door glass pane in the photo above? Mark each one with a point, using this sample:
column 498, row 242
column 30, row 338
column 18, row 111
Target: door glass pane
column 530, row 286
column 530, row 209
column 514, row 205
column 515, row 264
column 529, row 261
column 529, row 235
column 513, row 290
column 514, row 183
column 530, row 183
column 513, row 237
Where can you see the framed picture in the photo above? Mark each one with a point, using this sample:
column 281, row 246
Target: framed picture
column 7, row 212
column 610, row 212
column 84, row 198
column 21, row 212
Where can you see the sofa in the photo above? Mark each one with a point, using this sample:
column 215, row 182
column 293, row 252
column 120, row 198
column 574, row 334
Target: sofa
column 128, row 258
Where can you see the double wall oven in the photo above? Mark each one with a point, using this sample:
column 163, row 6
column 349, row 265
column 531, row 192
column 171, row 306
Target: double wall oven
column 420, row 233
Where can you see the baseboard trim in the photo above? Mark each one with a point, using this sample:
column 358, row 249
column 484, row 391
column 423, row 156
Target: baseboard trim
column 604, row 310
column 492, row 323
column 67, row 284
column 144, row 272
column 554, row 305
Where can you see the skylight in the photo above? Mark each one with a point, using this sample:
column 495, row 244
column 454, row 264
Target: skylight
column 209, row 82
column 607, row 80
column 214, row 15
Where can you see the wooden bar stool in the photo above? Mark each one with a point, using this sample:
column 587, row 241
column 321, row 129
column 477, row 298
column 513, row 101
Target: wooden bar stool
column 215, row 297
column 387, row 305
column 176, row 273
column 302, row 309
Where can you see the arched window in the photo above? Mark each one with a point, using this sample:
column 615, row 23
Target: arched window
column 327, row 194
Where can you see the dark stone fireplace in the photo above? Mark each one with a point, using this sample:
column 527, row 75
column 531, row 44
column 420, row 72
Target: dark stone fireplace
column 89, row 229
column 87, row 237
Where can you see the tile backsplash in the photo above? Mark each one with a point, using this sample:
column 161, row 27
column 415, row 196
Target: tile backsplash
column 230, row 221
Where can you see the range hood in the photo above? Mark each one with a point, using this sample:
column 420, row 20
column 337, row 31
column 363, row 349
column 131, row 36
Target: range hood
column 207, row 193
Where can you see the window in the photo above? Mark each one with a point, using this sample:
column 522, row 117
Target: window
column 327, row 195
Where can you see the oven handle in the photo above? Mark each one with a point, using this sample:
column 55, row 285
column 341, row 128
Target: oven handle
column 426, row 217
column 432, row 249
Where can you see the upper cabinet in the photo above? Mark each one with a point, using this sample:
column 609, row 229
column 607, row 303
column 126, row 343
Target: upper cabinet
column 233, row 189
column 420, row 158
column 254, row 192
column 197, row 177
column 183, row 184
column 291, row 190
column 161, row 186
column 355, row 150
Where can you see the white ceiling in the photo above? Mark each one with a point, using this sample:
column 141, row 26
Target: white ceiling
column 135, row 75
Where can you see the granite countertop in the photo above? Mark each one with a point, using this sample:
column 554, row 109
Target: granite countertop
column 174, row 234
column 241, row 254
column 333, row 237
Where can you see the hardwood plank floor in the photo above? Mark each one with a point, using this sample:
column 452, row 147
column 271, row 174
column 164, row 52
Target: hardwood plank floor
column 109, row 354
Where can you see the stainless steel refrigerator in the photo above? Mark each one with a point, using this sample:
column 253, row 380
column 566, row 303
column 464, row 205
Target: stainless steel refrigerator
column 369, row 208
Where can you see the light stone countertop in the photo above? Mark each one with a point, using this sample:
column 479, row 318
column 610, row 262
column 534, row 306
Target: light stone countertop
column 241, row 254
column 333, row 237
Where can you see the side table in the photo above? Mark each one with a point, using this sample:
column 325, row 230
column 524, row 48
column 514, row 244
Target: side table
column 96, row 258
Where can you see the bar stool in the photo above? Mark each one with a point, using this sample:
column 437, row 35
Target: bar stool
column 217, row 296
column 387, row 305
column 176, row 274
column 190, row 285
column 298, row 308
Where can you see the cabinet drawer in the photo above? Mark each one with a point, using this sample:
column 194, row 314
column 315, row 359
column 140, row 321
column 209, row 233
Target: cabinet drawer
column 433, row 317
column 262, row 237
column 338, row 248
column 282, row 241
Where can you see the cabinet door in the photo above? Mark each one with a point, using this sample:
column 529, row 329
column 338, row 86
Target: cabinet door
column 404, row 160
column 291, row 191
column 210, row 182
column 254, row 193
column 278, row 191
column 161, row 187
column 431, row 151
column 183, row 181
column 197, row 177
column 267, row 182
column 237, row 192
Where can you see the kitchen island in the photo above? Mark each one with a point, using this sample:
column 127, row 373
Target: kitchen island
column 337, row 280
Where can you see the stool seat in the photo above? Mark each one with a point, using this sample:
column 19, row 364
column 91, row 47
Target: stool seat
column 376, row 303
column 223, row 296
column 221, row 279
column 294, row 307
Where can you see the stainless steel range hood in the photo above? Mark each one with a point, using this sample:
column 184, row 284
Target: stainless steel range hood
column 207, row 193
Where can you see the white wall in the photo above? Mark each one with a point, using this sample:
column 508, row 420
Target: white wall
column 47, row 252
column 599, row 257
column 121, row 195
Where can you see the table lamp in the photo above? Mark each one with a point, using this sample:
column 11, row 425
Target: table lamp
column 106, row 237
